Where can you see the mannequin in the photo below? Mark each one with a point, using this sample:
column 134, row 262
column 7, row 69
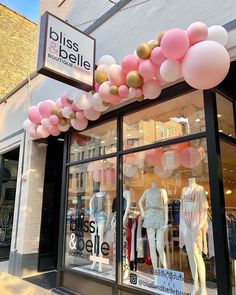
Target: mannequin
column 155, row 221
column 100, row 213
column 193, row 228
column 126, row 208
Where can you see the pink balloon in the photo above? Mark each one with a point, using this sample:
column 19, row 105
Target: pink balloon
column 197, row 32
column 54, row 120
column 153, row 156
column 53, row 130
column 151, row 89
column 45, row 108
column 74, row 107
column 146, row 69
column 157, row 56
column 205, row 65
column 79, row 124
column 175, row 43
column 104, row 92
column 130, row 63
column 32, row 132
column 115, row 75
column 96, row 86
column 42, row 132
column 34, row 115
column 92, row 114
column 64, row 101
column 80, row 115
column 58, row 103
column 123, row 91
column 190, row 157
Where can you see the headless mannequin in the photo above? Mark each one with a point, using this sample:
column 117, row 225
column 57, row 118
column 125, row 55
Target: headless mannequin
column 196, row 262
column 156, row 236
column 101, row 219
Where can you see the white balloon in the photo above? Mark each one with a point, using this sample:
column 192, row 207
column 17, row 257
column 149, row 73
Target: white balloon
column 63, row 128
column 83, row 102
column 97, row 103
column 218, row 33
column 28, row 124
column 170, row 70
column 71, row 93
column 170, row 160
column 45, row 122
column 66, row 111
column 106, row 60
column 129, row 170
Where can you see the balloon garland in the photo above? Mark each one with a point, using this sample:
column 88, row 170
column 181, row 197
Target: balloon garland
column 197, row 55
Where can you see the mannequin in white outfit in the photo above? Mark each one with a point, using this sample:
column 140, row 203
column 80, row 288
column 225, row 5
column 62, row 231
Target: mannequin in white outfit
column 155, row 221
column 100, row 211
column 192, row 229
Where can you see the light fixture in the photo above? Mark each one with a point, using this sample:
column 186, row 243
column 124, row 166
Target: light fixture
column 228, row 192
column 115, row 138
column 206, row 192
column 141, row 131
column 219, row 115
column 197, row 120
column 60, row 139
column 220, row 130
column 128, row 134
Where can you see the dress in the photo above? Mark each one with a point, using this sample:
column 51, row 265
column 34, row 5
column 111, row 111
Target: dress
column 155, row 211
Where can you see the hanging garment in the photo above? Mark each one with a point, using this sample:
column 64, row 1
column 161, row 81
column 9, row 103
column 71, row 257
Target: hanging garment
column 175, row 211
column 211, row 249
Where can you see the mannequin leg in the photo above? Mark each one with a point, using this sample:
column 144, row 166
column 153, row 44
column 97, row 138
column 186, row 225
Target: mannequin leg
column 101, row 232
column 93, row 241
column 201, row 270
column 160, row 246
column 152, row 246
column 191, row 258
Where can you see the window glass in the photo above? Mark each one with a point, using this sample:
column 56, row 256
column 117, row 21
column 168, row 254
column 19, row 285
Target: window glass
column 225, row 115
column 167, row 233
column 178, row 117
column 93, row 142
column 228, row 157
column 90, row 246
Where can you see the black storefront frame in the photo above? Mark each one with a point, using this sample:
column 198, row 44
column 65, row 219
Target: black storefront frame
column 224, row 284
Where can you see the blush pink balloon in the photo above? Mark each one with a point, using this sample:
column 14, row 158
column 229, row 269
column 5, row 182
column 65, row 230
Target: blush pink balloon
column 130, row 63
column 157, row 56
column 205, row 65
column 58, row 103
column 151, row 89
column 104, row 92
column 79, row 124
column 175, row 43
column 53, row 130
column 80, row 115
column 45, row 108
column 34, row 115
column 123, row 91
column 32, row 132
column 146, row 69
column 54, row 120
column 197, row 32
column 91, row 114
column 42, row 132
column 190, row 157
column 64, row 101
column 74, row 107
column 115, row 75
column 96, row 87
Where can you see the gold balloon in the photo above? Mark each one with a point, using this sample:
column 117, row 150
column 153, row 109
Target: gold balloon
column 54, row 111
column 140, row 98
column 106, row 104
column 100, row 77
column 144, row 50
column 160, row 37
column 63, row 122
column 114, row 90
column 59, row 114
column 154, row 44
column 134, row 79
column 72, row 115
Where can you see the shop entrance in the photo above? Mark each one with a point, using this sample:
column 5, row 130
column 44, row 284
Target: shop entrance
column 8, row 180
column 51, row 206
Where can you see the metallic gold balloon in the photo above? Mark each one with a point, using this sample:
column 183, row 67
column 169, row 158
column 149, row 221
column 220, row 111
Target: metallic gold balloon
column 72, row 115
column 144, row 50
column 160, row 37
column 134, row 79
column 154, row 44
column 59, row 114
column 100, row 77
column 54, row 111
column 63, row 122
column 140, row 98
column 114, row 90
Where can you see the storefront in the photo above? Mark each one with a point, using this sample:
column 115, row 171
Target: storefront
column 131, row 181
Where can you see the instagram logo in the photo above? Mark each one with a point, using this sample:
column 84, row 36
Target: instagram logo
column 133, row 279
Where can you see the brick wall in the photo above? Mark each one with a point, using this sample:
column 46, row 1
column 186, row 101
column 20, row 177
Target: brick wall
column 18, row 48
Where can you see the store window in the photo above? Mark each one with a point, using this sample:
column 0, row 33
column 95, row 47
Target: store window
column 93, row 142
column 168, row 227
column 228, row 158
column 90, row 246
column 225, row 115
column 178, row 117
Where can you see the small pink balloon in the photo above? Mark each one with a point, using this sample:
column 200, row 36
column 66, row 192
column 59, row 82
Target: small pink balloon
column 53, row 130
column 64, row 101
column 123, row 91
column 104, row 92
column 146, row 69
column 175, row 43
column 130, row 63
column 138, row 92
column 157, row 56
column 205, row 65
column 197, row 32
column 80, row 115
column 151, row 89
column 54, row 120
column 34, row 115
column 42, row 132
column 79, row 124
column 92, row 114
column 45, row 108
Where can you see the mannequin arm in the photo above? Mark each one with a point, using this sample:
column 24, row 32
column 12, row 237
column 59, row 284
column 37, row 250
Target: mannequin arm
column 127, row 207
column 165, row 201
column 143, row 197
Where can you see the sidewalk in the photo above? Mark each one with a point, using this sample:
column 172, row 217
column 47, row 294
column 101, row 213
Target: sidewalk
column 11, row 285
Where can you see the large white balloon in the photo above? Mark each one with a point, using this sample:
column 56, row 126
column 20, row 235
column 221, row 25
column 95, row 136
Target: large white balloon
column 28, row 124
column 106, row 60
column 170, row 70
column 97, row 103
column 218, row 34
column 83, row 102
column 129, row 170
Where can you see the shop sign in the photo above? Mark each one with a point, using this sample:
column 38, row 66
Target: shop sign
column 65, row 53
column 169, row 281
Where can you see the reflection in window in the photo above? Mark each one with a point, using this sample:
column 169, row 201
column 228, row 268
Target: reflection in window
column 181, row 116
